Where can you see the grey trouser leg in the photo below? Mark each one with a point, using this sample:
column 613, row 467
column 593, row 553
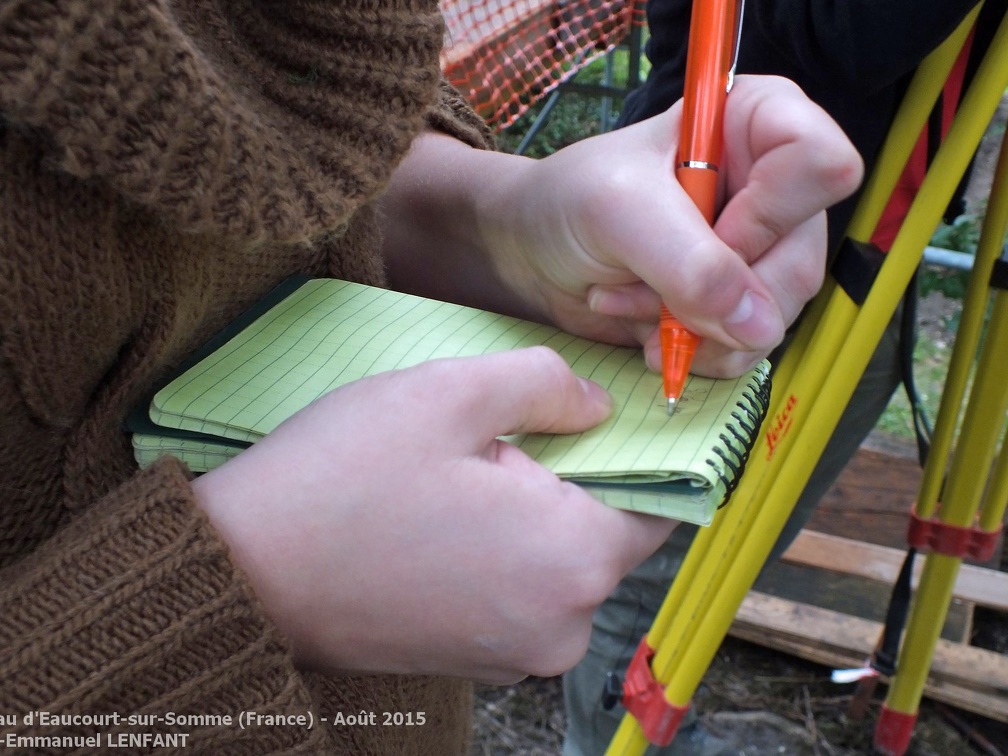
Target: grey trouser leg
column 626, row 616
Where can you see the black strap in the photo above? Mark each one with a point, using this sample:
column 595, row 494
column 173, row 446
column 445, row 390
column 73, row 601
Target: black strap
column 884, row 660
column 999, row 273
column 856, row 266
column 907, row 344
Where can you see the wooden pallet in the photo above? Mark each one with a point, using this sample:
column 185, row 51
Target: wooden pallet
column 825, row 599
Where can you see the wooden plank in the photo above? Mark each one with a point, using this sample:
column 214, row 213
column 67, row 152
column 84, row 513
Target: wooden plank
column 970, row 678
column 978, row 585
column 851, row 594
column 870, row 500
column 873, row 496
column 858, row 533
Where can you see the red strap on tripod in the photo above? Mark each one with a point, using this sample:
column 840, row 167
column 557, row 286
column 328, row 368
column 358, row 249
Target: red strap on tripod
column 644, row 697
column 952, row 540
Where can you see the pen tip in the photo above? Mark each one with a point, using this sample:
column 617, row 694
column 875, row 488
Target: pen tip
column 671, row 405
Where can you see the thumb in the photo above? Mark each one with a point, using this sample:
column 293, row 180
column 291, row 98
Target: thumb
column 528, row 390
column 655, row 230
column 710, row 287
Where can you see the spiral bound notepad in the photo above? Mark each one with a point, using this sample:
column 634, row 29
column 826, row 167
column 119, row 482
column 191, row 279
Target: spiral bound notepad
column 315, row 335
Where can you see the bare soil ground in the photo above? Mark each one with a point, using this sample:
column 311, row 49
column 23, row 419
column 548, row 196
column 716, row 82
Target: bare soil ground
column 767, row 702
column 760, row 701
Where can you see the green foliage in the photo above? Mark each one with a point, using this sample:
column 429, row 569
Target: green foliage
column 961, row 235
column 576, row 115
column 934, row 343
column 931, row 360
column 572, row 119
column 950, row 282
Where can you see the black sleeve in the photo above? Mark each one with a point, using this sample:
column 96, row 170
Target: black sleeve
column 852, row 57
column 864, row 44
column 835, row 50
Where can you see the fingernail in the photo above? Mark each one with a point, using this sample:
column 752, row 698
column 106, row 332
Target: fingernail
column 596, row 393
column 611, row 303
column 744, row 310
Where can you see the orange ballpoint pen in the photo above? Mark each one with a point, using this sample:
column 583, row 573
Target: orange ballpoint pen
column 711, row 51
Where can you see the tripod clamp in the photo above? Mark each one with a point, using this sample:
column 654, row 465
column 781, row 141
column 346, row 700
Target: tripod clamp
column 952, row 540
column 644, row 697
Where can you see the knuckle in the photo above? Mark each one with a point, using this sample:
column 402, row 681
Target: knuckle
column 832, row 160
column 714, row 283
column 595, row 576
column 553, row 372
column 737, row 363
column 808, row 281
column 563, row 651
column 837, row 166
column 772, row 225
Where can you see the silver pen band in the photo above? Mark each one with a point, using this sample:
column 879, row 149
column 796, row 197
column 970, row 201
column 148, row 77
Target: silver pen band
column 697, row 164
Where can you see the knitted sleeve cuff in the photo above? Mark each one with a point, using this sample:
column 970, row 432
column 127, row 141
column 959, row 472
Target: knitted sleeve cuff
column 135, row 607
column 453, row 115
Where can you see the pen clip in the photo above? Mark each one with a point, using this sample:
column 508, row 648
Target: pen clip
column 739, row 7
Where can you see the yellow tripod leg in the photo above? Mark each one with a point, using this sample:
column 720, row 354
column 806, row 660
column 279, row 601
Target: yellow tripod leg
column 914, row 110
column 934, row 195
column 968, row 334
column 993, row 512
column 732, row 525
column 906, row 127
column 701, row 572
column 951, row 161
column 982, row 424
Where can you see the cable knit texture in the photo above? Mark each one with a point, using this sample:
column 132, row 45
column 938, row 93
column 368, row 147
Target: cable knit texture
column 162, row 165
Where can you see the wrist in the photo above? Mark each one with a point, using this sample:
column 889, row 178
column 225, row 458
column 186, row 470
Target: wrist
column 227, row 495
column 452, row 228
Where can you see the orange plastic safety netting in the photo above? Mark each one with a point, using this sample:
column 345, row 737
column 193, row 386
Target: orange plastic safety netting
column 503, row 55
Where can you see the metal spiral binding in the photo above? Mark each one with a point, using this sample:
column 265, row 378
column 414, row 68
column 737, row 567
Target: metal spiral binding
column 734, row 455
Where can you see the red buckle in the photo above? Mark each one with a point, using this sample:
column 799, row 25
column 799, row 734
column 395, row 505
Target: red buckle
column 952, row 540
column 644, row 697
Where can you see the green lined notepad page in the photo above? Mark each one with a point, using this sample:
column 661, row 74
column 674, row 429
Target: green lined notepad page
column 329, row 333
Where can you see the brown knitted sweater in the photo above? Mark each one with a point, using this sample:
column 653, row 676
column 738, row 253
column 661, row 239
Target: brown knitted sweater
column 164, row 163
